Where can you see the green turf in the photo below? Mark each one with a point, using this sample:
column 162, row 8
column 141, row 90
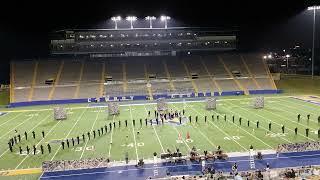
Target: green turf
column 299, row 84
column 205, row 136
column 4, row 97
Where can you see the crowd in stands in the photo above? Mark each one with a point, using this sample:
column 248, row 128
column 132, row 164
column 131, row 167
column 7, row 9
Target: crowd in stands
column 299, row 147
column 49, row 166
column 300, row 173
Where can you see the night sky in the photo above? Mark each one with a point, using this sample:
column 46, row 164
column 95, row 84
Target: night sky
column 263, row 25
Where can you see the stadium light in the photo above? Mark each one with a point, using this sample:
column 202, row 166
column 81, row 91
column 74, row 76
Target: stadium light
column 264, row 57
column 270, row 56
column 287, row 56
column 165, row 19
column 150, row 19
column 115, row 19
column 131, row 19
column 313, row 8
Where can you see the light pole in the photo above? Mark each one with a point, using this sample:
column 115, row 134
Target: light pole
column 131, row 19
column 313, row 8
column 287, row 56
column 115, row 19
column 165, row 19
column 150, row 19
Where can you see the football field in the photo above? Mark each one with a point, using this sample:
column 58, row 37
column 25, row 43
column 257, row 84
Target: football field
column 204, row 135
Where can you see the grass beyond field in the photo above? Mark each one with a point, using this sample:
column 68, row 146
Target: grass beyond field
column 232, row 137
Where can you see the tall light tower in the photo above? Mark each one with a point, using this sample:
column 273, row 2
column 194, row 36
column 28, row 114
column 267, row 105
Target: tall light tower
column 150, row 19
column 313, row 8
column 165, row 19
column 131, row 19
column 115, row 19
column 287, row 56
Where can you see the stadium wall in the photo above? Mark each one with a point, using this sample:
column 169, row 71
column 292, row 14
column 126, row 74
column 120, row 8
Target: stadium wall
column 142, row 97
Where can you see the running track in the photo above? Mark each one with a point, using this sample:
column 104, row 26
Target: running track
column 130, row 172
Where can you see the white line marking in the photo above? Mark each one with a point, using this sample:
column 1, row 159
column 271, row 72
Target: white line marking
column 53, row 127
column 11, row 119
column 28, row 131
column 272, row 121
column 68, row 133
column 261, row 126
column 90, row 130
column 134, row 136
column 110, row 143
column 156, row 134
column 221, row 130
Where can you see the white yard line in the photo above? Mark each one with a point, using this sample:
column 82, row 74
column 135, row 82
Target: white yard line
column 28, row 131
column 272, row 121
column 206, row 137
column 305, row 103
column 110, row 143
column 134, row 135
column 261, row 126
column 142, row 104
column 11, row 119
column 90, row 131
column 182, row 138
column 154, row 129
column 221, row 130
column 308, row 112
column 69, row 133
column 53, row 127
column 26, row 120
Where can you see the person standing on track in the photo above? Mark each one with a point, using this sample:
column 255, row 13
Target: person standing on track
column 33, row 134
column 296, row 131
column 42, row 134
column 282, row 129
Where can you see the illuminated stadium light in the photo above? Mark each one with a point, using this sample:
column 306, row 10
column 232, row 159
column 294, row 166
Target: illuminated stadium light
column 165, row 19
column 115, row 19
column 264, row 57
column 311, row 8
column 287, row 56
column 150, row 19
column 270, row 56
column 314, row 9
column 131, row 19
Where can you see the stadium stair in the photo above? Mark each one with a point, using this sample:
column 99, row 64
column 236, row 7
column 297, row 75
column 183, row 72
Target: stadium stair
column 124, row 76
column 56, row 81
column 103, row 72
column 168, row 75
column 251, row 159
column 12, row 82
column 211, row 76
column 250, row 73
column 230, row 74
column 269, row 74
column 147, row 80
column 35, row 72
column 189, row 75
column 76, row 93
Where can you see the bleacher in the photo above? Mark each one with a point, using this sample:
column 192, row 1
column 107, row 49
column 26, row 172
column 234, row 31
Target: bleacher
column 75, row 79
